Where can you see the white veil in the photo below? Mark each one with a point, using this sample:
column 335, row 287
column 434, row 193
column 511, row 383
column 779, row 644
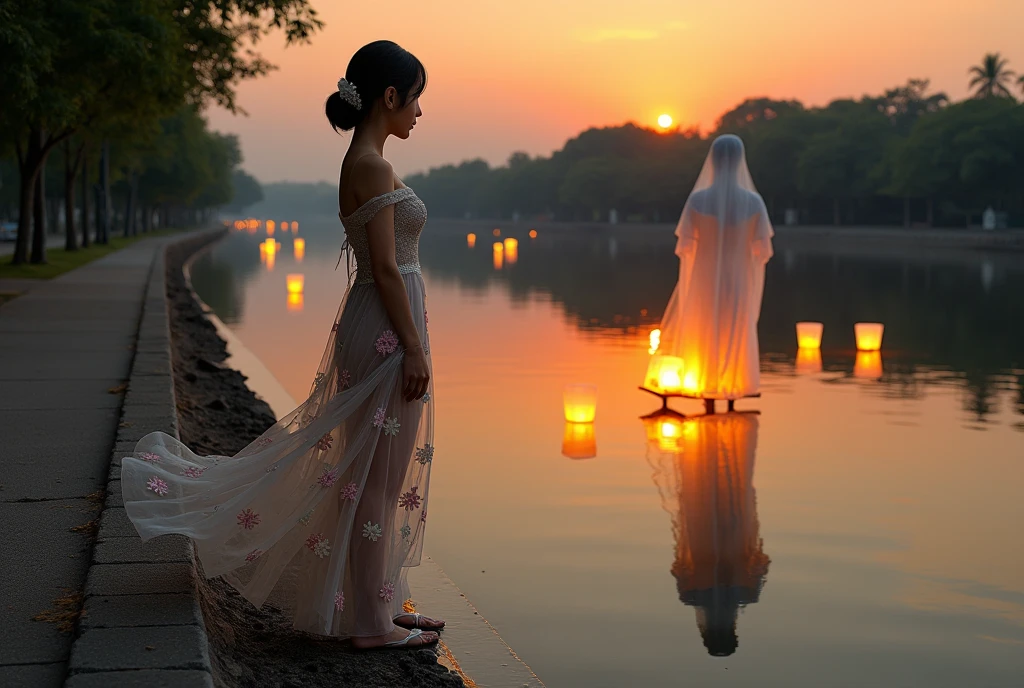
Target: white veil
column 723, row 242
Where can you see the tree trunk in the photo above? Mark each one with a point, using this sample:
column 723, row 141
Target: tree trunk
column 835, row 212
column 85, row 201
column 28, row 171
column 70, row 165
column 906, row 212
column 39, row 220
column 105, row 214
column 129, row 211
column 147, row 219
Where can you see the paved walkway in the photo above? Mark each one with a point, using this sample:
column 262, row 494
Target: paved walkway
column 67, row 349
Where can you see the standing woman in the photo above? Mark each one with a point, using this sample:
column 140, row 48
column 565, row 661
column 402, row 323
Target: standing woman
column 322, row 514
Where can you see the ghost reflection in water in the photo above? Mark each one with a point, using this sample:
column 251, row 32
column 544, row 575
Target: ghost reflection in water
column 704, row 470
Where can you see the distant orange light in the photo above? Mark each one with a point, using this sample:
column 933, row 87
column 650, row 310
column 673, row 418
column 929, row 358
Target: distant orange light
column 299, row 248
column 295, row 226
column 496, row 232
column 499, row 255
column 284, row 226
column 270, row 226
column 869, row 336
column 533, row 233
column 808, row 335
column 471, row 240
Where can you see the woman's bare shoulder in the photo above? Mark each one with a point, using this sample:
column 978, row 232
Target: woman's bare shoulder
column 371, row 176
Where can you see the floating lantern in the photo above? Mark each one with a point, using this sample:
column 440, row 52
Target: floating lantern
column 295, row 302
column 252, row 223
column 270, row 245
column 580, row 403
column 511, row 244
column 295, row 226
column 499, row 255
column 808, row 335
column 496, row 232
column 239, row 225
column 299, row 248
column 808, row 361
column 295, row 283
column 868, row 365
column 665, row 374
column 270, row 227
column 533, row 233
column 869, row 336
column 578, row 441
column 284, row 226
column 471, row 240
column 690, row 385
column 511, row 250
column 655, row 342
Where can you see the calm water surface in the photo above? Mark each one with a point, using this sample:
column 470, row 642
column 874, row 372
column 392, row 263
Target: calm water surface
column 864, row 528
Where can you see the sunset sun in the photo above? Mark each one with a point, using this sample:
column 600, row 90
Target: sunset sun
column 665, row 121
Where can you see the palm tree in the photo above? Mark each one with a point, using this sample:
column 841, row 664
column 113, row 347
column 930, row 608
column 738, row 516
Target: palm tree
column 990, row 77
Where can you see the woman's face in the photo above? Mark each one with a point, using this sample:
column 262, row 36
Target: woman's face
column 403, row 119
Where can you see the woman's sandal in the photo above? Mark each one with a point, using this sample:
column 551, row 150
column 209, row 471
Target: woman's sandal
column 414, row 633
column 416, row 622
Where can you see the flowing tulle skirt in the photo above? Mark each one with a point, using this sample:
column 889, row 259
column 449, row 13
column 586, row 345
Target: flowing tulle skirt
column 324, row 511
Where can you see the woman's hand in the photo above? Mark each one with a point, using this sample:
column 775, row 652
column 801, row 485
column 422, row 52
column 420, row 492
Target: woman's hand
column 415, row 374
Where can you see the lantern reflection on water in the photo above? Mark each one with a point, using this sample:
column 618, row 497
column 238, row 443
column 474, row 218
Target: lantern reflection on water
column 511, row 250
column 869, row 336
column 299, row 248
column 808, row 334
column 808, row 361
column 284, row 226
column 295, row 226
column 704, row 469
column 295, row 283
column 499, row 255
column 580, row 402
column 578, row 441
column 295, row 302
column 471, row 240
column 655, row 341
column 665, row 374
column 270, row 227
column 868, row 365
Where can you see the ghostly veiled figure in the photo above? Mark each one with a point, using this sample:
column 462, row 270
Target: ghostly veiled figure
column 704, row 470
column 723, row 242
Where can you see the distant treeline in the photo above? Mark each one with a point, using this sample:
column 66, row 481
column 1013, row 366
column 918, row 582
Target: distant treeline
column 905, row 157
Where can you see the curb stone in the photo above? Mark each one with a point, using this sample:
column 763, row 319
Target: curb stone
column 142, row 624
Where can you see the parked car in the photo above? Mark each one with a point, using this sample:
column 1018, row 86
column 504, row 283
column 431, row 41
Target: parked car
column 8, row 231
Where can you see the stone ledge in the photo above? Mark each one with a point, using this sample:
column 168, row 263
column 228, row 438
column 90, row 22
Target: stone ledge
column 140, row 579
column 147, row 647
column 123, row 611
column 145, row 678
column 167, row 549
column 114, row 523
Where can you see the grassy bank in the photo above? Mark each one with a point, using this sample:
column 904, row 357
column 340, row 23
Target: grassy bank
column 59, row 261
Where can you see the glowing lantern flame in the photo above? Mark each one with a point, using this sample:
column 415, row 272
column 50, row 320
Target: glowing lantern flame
column 471, row 240
column 869, row 336
column 808, row 335
column 295, row 283
column 580, row 402
column 499, row 255
column 578, row 441
column 665, row 374
column 533, row 233
column 690, row 383
column 655, row 341
column 511, row 250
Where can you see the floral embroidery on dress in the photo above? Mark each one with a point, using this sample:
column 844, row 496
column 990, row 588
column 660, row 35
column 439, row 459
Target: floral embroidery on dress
column 150, row 457
column 325, row 442
column 392, row 426
column 350, row 491
column 319, row 545
column 426, row 320
column 378, row 417
column 271, row 468
column 372, row 531
column 425, row 454
column 328, row 478
column 423, row 516
column 157, row 485
column 410, row 500
column 319, row 378
column 387, row 591
column 339, row 601
column 334, row 327
column 406, row 531
column 193, row 472
column 306, row 518
column 254, row 555
column 344, row 380
column 264, row 441
column 248, row 519
column 386, row 343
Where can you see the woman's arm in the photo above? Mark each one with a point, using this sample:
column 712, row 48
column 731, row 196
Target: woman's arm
column 375, row 178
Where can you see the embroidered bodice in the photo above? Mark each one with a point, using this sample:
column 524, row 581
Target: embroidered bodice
column 410, row 216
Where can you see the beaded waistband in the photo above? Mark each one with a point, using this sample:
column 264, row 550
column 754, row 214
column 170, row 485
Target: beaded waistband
column 404, row 269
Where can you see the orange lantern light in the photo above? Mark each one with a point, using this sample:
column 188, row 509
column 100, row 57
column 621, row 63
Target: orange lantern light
column 299, row 248
column 284, row 226
column 580, row 402
column 471, row 240
column 270, row 227
column 295, row 283
column 868, row 365
column 533, row 233
column 665, row 374
column 869, row 336
column 808, row 361
column 499, row 255
column 295, row 302
column 655, row 338
column 511, row 250
column 496, row 232
column 295, row 226
column 578, row 441
column 808, row 335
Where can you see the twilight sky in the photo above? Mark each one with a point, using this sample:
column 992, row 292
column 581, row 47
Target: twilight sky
column 528, row 75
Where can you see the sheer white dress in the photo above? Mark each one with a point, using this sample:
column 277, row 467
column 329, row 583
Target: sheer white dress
column 324, row 511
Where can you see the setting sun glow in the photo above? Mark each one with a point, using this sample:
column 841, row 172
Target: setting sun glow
column 665, row 121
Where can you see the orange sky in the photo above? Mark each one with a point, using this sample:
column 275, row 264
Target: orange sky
column 528, row 75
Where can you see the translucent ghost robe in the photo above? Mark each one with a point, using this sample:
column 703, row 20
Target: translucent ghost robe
column 709, row 329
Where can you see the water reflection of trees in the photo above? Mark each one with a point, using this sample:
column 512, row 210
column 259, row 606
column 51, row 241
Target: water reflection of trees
column 219, row 276
column 704, row 471
column 955, row 316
